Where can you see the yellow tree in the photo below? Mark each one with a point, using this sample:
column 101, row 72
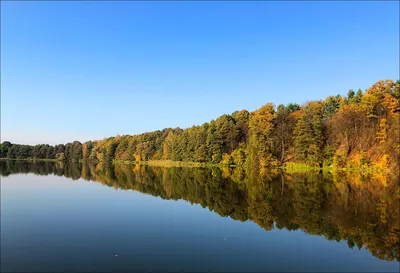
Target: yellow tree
column 260, row 140
column 382, row 133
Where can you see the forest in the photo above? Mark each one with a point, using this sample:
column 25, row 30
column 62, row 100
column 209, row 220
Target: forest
column 357, row 131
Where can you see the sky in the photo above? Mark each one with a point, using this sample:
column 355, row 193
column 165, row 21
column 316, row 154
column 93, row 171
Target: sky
column 88, row 70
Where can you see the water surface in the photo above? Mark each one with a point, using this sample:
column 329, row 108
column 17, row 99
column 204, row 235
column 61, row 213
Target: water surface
column 63, row 217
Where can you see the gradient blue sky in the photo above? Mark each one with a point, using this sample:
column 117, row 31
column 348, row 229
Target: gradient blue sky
column 88, row 70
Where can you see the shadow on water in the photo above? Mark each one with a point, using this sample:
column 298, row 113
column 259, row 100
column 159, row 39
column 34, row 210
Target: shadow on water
column 364, row 211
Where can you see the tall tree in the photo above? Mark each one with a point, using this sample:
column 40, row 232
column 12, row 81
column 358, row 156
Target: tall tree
column 259, row 150
column 308, row 134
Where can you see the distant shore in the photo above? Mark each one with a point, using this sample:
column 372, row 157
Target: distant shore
column 290, row 168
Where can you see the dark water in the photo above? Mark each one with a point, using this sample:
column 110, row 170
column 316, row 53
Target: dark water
column 58, row 217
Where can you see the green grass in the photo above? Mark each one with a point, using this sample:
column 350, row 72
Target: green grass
column 293, row 167
column 299, row 167
column 171, row 163
column 31, row 159
column 290, row 167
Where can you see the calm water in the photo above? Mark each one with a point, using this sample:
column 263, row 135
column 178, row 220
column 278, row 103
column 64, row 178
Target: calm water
column 57, row 217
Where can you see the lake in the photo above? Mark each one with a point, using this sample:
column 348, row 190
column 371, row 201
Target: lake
column 81, row 217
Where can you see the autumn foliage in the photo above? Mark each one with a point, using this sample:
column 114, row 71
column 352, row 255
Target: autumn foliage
column 360, row 130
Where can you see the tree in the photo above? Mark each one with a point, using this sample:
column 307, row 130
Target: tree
column 87, row 149
column 332, row 105
column 308, row 134
column 347, row 129
column 4, row 148
column 382, row 133
column 259, row 150
column 340, row 131
column 284, row 123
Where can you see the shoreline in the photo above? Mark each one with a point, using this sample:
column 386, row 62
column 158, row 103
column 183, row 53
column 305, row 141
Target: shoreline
column 292, row 168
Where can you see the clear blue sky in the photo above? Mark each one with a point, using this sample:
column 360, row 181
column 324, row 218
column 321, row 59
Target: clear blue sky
column 88, row 70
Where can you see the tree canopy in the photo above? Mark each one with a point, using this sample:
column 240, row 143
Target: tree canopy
column 360, row 130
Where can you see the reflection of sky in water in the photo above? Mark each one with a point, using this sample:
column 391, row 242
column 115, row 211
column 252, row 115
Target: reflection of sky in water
column 55, row 223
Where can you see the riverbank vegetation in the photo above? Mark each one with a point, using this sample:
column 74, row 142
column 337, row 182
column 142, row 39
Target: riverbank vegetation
column 357, row 131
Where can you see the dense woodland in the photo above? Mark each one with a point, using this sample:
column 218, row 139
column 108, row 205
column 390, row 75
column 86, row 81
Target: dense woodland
column 360, row 130
column 364, row 211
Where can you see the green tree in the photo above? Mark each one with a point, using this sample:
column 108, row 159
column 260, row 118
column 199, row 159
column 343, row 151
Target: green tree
column 308, row 134
column 4, row 148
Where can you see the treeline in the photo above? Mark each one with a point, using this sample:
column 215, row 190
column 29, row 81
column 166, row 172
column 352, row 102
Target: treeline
column 336, row 206
column 360, row 130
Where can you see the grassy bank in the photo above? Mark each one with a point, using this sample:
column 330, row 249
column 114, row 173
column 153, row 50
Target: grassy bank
column 171, row 163
column 291, row 167
column 31, row 159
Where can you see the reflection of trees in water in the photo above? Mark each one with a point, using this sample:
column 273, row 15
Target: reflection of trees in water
column 361, row 210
